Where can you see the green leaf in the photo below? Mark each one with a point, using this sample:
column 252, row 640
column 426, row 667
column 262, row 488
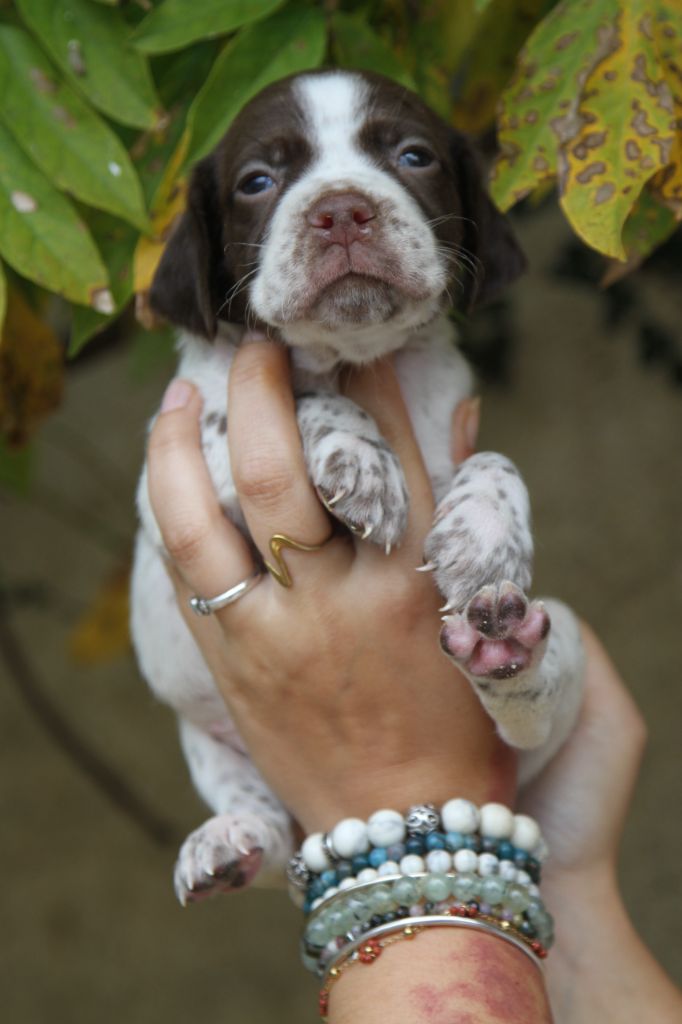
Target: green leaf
column 355, row 44
column 488, row 62
column 41, row 235
column 62, row 134
column 92, row 47
column 291, row 41
column 116, row 243
column 649, row 224
column 177, row 23
column 3, row 297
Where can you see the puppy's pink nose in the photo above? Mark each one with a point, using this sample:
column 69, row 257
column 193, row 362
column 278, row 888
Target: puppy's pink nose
column 342, row 219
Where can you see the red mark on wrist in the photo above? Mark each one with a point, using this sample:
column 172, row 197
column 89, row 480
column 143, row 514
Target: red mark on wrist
column 494, row 983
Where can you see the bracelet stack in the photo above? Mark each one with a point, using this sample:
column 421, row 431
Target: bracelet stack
column 366, row 885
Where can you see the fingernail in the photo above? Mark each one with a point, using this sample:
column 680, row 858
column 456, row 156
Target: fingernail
column 253, row 335
column 472, row 422
column 178, row 394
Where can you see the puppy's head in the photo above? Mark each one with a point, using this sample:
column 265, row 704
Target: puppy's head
column 340, row 210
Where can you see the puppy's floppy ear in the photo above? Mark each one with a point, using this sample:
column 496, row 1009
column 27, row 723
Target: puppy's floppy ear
column 487, row 236
column 191, row 281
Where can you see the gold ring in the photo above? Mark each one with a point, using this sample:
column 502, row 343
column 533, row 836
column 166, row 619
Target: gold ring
column 279, row 570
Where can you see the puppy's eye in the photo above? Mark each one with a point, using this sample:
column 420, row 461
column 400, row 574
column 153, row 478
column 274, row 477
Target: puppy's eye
column 256, row 183
column 415, row 156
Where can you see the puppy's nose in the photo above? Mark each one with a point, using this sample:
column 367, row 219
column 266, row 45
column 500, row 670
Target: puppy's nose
column 341, row 219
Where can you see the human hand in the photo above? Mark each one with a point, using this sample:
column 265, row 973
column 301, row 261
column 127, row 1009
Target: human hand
column 581, row 798
column 337, row 685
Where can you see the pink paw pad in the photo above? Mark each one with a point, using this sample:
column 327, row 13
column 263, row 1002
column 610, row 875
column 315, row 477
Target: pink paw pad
column 498, row 633
column 218, row 857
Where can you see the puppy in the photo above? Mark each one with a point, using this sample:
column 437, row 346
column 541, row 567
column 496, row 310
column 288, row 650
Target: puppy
column 342, row 212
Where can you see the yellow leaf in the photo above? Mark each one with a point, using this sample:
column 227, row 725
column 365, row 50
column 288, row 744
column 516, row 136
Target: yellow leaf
column 102, row 633
column 31, row 370
column 168, row 204
column 148, row 251
column 667, row 29
column 625, row 132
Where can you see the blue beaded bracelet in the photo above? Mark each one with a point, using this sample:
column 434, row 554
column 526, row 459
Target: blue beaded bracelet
column 388, row 838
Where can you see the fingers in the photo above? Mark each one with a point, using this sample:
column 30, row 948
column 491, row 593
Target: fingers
column 465, row 423
column 377, row 390
column 208, row 550
column 275, row 492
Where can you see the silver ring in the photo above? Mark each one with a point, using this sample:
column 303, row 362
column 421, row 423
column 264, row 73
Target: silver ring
column 208, row 605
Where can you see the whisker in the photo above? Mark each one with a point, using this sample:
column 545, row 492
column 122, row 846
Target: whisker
column 236, row 288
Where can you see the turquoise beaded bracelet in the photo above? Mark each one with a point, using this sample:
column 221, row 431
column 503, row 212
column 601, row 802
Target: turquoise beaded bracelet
column 488, row 840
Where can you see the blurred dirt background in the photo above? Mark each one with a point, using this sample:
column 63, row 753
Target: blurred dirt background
column 90, row 927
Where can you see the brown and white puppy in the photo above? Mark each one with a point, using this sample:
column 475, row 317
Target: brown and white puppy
column 341, row 211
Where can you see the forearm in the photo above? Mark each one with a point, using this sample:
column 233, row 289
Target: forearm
column 599, row 969
column 442, row 976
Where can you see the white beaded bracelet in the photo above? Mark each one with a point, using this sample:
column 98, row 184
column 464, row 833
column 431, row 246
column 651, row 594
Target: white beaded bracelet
column 353, row 837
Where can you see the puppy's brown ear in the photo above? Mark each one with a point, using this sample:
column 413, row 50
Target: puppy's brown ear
column 192, row 281
column 487, row 236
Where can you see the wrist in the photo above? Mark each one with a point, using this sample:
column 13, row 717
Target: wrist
column 433, row 779
column 583, row 900
column 599, row 968
column 445, row 973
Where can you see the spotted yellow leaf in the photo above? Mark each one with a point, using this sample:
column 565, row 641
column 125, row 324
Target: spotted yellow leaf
column 667, row 32
column 625, row 132
column 539, row 112
column 595, row 105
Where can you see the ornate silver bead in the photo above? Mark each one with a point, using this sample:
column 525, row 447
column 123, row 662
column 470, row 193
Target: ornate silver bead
column 422, row 819
column 297, row 872
column 328, row 847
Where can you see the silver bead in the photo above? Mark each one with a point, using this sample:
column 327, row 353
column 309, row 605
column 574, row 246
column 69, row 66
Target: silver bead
column 422, row 819
column 328, row 847
column 297, row 872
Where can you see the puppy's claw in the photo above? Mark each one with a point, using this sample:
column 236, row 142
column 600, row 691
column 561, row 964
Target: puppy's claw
column 336, row 497
column 426, row 567
column 388, row 547
column 447, row 607
column 367, row 531
column 330, row 502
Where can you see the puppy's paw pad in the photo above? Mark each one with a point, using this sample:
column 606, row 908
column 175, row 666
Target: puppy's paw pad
column 362, row 484
column 499, row 634
column 222, row 855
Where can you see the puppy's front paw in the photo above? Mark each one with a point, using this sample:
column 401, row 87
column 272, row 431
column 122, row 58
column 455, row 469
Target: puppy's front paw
column 354, row 470
column 481, row 533
column 224, row 854
column 362, row 484
column 499, row 634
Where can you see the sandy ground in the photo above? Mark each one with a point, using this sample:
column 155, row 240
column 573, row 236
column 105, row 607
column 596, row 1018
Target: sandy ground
column 91, row 930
